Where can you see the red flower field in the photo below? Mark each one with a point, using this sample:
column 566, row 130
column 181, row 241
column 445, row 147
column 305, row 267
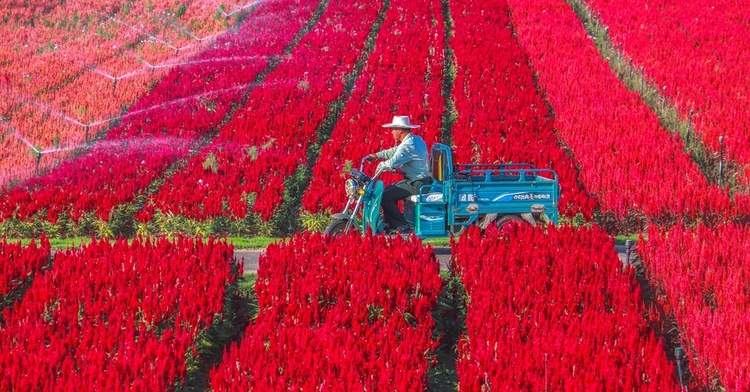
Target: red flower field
column 154, row 128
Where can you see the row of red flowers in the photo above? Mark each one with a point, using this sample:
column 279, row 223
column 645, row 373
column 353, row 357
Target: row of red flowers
column 626, row 159
column 268, row 139
column 338, row 314
column 114, row 316
column 18, row 262
column 696, row 53
column 501, row 114
column 703, row 275
column 101, row 55
column 155, row 133
column 554, row 309
column 402, row 76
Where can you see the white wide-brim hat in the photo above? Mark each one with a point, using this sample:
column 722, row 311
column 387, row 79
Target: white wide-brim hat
column 401, row 122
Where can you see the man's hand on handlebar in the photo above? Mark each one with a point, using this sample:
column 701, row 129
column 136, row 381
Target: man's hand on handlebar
column 371, row 157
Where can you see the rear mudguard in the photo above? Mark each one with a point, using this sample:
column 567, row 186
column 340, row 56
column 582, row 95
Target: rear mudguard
column 489, row 218
column 528, row 218
column 485, row 221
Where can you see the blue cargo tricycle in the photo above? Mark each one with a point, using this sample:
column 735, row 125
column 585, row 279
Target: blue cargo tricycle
column 486, row 195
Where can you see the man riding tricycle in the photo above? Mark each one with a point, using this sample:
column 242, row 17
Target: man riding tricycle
column 451, row 199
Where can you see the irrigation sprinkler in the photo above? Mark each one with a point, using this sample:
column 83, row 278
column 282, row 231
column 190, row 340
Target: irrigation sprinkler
column 679, row 356
column 38, row 161
column 208, row 37
column 628, row 245
column 97, row 71
column 53, row 111
column 689, row 128
column 229, row 14
column 721, row 158
column 150, row 36
column 146, row 63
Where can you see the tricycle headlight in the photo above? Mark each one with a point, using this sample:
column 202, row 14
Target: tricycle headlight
column 351, row 187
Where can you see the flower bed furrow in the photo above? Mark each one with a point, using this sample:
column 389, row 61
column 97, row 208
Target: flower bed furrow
column 632, row 165
column 163, row 126
column 115, row 316
column 392, row 82
column 268, row 138
column 694, row 51
column 72, row 67
column 338, row 314
column 18, row 263
column 553, row 310
column 501, row 116
column 703, row 275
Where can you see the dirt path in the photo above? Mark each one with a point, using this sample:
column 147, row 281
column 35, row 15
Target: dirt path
column 251, row 256
column 443, row 255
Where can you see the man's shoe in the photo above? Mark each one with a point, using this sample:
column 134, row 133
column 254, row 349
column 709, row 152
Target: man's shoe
column 405, row 229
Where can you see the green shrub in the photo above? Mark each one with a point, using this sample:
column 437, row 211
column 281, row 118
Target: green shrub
column 121, row 220
column 221, row 225
column 211, row 163
column 315, row 222
column 576, row 221
column 252, row 152
column 103, row 230
column 348, row 165
column 86, row 225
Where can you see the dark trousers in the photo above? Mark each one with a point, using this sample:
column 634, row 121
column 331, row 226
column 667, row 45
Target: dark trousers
column 395, row 192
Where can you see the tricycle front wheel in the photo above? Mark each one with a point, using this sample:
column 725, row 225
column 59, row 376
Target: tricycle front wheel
column 336, row 228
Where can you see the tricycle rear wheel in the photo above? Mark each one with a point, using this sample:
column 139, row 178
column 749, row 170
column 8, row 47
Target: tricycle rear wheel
column 504, row 224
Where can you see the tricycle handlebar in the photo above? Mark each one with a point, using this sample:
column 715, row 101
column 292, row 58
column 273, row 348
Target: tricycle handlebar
column 362, row 164
column 362, row 167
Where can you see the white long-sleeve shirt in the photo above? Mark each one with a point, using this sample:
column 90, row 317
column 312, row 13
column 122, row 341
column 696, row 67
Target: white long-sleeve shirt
column 410, row 156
